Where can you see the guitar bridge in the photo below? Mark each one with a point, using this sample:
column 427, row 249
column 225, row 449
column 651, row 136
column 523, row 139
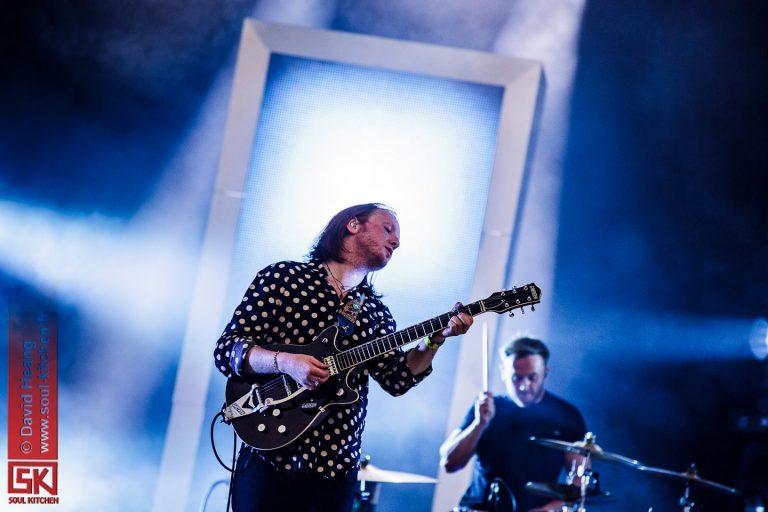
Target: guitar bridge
column 331, row 362
column 263, row 406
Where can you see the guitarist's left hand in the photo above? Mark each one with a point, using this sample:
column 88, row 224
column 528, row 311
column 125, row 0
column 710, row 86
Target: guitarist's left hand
column 457, row 325
column 421, row 357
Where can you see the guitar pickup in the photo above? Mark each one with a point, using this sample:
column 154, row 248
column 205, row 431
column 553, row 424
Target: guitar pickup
column 255, row 392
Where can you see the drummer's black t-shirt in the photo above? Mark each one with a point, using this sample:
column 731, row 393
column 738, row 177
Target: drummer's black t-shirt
column 506, row 452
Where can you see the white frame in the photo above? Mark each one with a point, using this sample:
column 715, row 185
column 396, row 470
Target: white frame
column 521, row 80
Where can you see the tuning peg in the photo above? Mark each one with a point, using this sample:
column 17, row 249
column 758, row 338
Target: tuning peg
column 511, row 314
column 533, row 308
column 523, row 310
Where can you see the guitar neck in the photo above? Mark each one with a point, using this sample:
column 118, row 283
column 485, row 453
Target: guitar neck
column 367, row 351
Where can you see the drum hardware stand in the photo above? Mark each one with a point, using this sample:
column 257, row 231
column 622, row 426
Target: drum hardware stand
column 585, row 475
column 493, row 496
column 586, row 478
column 686, row 502
column 496, row 491
column 367, row 494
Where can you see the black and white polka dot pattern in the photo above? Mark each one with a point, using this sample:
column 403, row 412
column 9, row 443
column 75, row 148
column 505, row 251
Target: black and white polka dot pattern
column 292, row 302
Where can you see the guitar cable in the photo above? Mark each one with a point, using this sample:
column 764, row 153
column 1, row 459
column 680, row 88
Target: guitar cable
column 213, row 445
column 231, row 470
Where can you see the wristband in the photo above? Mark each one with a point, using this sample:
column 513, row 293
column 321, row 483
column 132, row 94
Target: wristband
column 431, row 345
column 274, row 361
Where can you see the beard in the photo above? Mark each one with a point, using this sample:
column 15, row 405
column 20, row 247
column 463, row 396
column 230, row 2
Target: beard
column 372, row 253
column 531, row 397
column 377, row 261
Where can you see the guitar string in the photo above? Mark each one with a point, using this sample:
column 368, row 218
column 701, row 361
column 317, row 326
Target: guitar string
column 380, row 345
column 410, row 333
column 358, row 355
column 276, row 385
column 359, row 351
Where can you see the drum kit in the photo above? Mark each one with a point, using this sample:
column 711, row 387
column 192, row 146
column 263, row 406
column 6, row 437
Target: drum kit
column 583, row 484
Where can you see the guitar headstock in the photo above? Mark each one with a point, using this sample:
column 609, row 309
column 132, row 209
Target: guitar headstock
column 516, row 298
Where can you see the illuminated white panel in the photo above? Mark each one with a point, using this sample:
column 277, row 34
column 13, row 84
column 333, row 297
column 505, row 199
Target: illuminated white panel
column 332, row 135
column 321, row 120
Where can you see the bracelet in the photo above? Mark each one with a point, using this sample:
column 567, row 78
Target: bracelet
column 431, row 345
column 274, row 361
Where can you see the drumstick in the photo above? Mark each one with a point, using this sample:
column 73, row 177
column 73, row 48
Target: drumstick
column 485, row 357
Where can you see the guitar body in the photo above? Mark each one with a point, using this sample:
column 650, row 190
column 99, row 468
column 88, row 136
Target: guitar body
column 282, row 423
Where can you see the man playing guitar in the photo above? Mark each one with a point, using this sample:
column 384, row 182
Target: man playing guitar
column 313, row 466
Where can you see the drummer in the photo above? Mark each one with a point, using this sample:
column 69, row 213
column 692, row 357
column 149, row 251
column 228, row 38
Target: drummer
column 497, row 430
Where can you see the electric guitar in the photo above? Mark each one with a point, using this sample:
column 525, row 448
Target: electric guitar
column 269, row 411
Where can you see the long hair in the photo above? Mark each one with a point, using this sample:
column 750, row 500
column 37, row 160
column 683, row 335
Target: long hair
column 329, row 243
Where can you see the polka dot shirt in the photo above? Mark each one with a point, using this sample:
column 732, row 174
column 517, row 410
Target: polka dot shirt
column 292, row 302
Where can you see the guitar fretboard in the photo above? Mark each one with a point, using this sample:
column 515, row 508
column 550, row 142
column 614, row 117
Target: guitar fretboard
column 367, row 351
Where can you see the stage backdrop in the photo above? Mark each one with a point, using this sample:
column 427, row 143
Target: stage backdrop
column 319, row 121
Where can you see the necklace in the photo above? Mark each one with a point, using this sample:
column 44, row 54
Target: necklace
column 341, row 285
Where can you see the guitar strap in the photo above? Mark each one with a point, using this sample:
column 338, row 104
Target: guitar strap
column 348, row 314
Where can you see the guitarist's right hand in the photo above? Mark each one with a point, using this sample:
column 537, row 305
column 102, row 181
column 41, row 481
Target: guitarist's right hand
column 305, row 369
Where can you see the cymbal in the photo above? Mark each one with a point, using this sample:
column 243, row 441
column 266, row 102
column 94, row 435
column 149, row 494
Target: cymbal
column 371, row 473
column 568, row 493
column 586, row 448
column 690, row 475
